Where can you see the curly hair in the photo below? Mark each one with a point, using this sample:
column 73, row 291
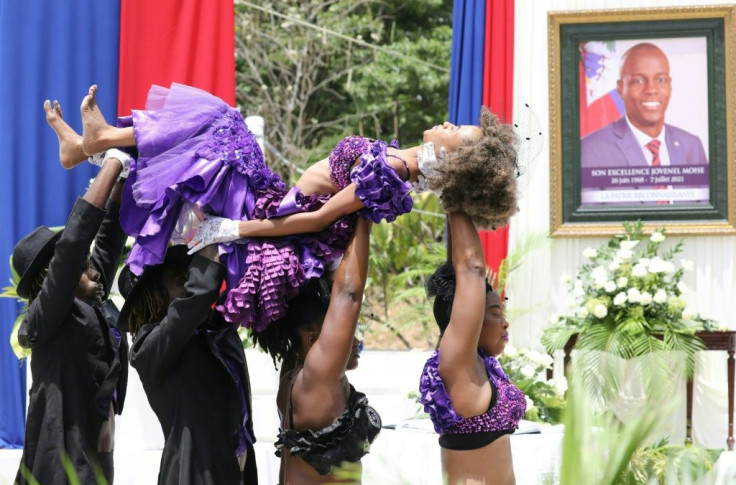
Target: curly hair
column 479, row 178
column 441, row 286
column 282, row 339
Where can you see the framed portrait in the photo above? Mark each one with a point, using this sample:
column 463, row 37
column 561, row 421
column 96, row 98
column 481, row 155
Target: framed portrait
column 642, row 120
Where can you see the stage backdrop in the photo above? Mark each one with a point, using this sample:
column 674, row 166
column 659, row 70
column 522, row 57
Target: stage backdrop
column 55, row 50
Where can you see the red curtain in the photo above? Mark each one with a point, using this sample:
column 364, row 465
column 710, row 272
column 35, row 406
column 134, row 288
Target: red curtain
column 186, row 41
column 498, row 95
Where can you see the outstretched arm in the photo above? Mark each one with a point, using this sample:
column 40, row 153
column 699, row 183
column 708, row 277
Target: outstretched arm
column 328, row 357
column 460, row 340
column 215, row 230
column 47, row 312
column 341, row 204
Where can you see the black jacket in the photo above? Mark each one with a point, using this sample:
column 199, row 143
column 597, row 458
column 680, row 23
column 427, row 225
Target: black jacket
column 183, row 365
column 76, row 362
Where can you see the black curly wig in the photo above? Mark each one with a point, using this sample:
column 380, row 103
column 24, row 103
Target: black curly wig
column 479, row 178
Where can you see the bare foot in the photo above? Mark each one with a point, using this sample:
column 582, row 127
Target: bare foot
column 95, row 130
column 70, row 143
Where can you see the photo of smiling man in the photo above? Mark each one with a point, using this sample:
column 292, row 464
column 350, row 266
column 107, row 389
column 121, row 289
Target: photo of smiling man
column 639, row 158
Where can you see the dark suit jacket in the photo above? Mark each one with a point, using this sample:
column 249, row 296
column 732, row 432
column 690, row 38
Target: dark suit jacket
column 183, row 364
column 76, row 362
column 615, row 145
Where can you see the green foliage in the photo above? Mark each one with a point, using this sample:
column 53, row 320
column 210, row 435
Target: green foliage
column 11, row 292
column 664, row 463
column 597, row 448
column 402, row 256
column 318, row 71
column 629, row 303
column 526, row 368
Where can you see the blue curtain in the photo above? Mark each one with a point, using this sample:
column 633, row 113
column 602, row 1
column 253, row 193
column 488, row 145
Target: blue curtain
column 48, row 49
column 466, row 65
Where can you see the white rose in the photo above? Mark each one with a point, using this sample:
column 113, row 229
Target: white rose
column 619, row 299
column 660, row 296
column 577, row 290
column 683, row 287
column 687, row 265
column 656, row 265
column 535, row 356
column 610, row 286
column 598, row 272
column 571, row 303
column 600, row 310
column 645, row 261
column 633, row 295
column 600, row 282
column 614, row 265
column 581, row 312
column 529, row 402
column 561, row 386
column 639, row 270
column 657, row 237
column 528, row 371
column 668, row 267
column 624, row 254
column 510, row 351
column 546, row 360
column 590, row 253
column 628, row 244
column 553, row 319
column 645, row 298
column 687, row 314
column 622, row 282
column 565, row 279
column 675, row 303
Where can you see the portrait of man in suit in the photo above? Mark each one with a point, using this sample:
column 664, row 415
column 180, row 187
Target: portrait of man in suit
column 641, row 138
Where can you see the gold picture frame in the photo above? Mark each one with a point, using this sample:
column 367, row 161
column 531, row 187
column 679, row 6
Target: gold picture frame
column 711, row 27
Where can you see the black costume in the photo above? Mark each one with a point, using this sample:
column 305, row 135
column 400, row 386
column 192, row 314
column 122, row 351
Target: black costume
column 193, row 370
column 347, row 439
column 79, row 365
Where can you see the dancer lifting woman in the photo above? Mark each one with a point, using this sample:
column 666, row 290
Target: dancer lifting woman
column 195, row 149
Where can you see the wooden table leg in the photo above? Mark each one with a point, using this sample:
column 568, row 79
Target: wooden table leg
column 731, row 350
column 689, row 433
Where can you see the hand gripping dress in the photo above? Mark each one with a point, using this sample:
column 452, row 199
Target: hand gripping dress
column 195, row 149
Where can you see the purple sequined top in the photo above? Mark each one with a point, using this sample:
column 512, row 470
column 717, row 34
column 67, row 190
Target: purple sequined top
column 509, row 409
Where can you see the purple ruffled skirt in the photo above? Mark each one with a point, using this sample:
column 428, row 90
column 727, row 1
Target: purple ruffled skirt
column 192, row 147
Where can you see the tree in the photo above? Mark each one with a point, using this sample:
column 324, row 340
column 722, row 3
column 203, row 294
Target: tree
column 318, row 70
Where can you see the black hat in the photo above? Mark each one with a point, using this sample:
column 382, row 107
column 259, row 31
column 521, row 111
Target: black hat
column 131, row 286
column 32, row 253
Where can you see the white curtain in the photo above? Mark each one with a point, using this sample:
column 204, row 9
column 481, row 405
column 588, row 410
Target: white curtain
column 536, row 284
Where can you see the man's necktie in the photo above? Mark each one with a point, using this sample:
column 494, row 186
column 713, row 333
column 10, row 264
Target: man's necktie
column 653, row 146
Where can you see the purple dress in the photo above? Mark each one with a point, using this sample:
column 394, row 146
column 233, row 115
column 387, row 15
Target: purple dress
column 194, row 148
column 505, row 415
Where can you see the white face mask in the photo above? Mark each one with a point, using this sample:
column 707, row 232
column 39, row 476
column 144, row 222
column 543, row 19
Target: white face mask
column 428, row 165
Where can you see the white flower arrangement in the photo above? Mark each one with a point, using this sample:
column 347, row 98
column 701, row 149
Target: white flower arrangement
column 630, row 290
column 527, row 368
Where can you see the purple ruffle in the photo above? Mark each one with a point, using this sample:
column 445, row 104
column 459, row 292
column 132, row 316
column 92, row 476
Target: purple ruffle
column 275, row 268
column 434, row 396
column 192, row 147
column 379, row 187
column 438, row 404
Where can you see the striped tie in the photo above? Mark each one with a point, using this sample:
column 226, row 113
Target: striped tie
column 653, row 146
